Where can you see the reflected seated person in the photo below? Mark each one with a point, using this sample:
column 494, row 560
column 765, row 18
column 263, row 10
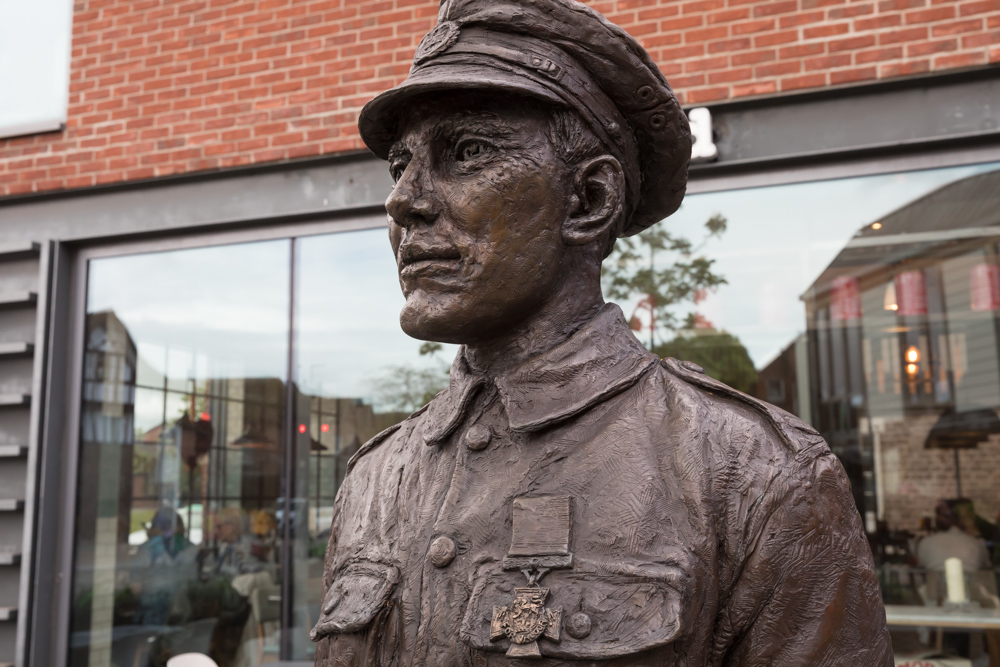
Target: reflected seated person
column 163, row 564
column 951, row 541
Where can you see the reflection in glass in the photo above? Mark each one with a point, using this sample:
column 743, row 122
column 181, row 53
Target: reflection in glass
column 869, row 307
column 866, row 306
column 357, row 374
column 181, row 438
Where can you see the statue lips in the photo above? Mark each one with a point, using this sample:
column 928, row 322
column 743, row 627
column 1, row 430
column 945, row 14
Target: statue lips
column 440, row 265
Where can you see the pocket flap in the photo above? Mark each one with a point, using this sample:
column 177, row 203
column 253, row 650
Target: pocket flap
column 602, row 616
column 357, row 594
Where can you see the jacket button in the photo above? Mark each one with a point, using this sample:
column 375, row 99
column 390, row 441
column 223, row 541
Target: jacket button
column 478, row 437
column 442, row 551
column 578, row 625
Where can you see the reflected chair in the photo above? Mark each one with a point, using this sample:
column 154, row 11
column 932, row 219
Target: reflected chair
column 265, row 605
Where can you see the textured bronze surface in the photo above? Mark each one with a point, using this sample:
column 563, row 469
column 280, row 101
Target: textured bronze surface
column 672, row 520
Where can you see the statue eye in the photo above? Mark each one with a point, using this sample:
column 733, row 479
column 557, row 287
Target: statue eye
column 471, row 150
column 397, row 167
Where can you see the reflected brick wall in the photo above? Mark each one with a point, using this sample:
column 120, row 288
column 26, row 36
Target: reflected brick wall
column 916, row 478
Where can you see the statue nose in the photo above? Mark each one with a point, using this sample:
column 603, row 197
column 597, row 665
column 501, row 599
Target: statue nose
column 410, row 203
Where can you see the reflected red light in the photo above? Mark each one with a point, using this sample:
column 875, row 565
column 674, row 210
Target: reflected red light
column 205, row 417
column 324, row 428
column 302, row 428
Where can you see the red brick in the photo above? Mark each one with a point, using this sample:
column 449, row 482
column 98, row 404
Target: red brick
column 752, row 57
column 957, row 27
column 903, row 69
column 902, row 35
column 774, row 38
column 851, row 11
column 960, row 60
column 753, row 26
column 927, row 48
column 982, row 39
column 806, row 81
column 701, row 95
column 876, row 55
column 162, row 87
column 978, row 7
column 936, row 14
column 801, row 50
column 762, row 88
column 852, row 75
column 800, row 19
column 826, row 62
column 776, row 7
column 826, row 30
column 851, row 43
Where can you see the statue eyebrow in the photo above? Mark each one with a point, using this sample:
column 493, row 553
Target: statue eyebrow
column 486, row 124
column 397, row 150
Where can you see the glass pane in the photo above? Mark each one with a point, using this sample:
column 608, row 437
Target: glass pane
column 182, row 434
column 357, row 374
column 868, row 307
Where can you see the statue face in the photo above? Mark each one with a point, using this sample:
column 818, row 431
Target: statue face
column 476, row 216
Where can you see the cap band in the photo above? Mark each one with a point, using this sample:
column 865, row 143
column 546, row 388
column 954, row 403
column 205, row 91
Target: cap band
column 552, row 68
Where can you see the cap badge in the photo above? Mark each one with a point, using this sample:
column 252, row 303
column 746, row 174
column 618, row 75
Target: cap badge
column 438, row 40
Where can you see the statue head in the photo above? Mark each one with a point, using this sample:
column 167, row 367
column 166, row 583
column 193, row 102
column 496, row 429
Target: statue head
column 528, row 136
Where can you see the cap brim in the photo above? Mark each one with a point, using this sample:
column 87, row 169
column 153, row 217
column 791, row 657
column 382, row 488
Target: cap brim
column 378, row 123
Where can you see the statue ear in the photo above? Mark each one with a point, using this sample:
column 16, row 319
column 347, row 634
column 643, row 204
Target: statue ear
column 598, row 200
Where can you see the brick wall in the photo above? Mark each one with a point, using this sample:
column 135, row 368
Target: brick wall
column 166, row 86
column 915, row 478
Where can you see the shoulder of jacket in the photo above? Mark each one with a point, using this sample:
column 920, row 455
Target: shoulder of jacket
column 799, row 437
column 381, row 437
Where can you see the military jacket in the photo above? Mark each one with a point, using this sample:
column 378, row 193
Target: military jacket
column 704, row 527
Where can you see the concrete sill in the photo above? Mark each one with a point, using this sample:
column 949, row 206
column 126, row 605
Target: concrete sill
column 10, row 558
column 17, row 349
column 11, row 505
column 17, row 300
column 22, row 251
column 8, row 613
column 13, row 451
column 14, row 400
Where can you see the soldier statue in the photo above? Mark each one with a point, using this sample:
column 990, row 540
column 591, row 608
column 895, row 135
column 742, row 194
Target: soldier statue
column 570, row 499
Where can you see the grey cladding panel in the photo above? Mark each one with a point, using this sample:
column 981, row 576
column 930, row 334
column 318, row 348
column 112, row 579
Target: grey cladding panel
column 882, row 117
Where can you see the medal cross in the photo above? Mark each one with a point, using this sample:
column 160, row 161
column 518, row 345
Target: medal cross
column 525, row 621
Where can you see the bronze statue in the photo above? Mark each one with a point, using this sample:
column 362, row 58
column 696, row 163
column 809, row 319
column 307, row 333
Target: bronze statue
column 570, row 499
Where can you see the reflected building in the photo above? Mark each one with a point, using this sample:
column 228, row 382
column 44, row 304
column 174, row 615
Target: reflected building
column 904, row 356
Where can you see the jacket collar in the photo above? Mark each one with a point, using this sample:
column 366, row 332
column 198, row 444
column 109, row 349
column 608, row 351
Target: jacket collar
column 599, row 360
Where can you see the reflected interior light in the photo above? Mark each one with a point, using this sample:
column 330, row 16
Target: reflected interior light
column 876, row 225
column 911, row 369
column 302, row 428
column 889, row 301
column 324, row 428
column 912, row 355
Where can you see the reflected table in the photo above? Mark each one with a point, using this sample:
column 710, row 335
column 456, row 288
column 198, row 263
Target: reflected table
column 898, row 615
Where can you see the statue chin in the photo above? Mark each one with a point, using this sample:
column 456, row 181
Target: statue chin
column 424, row 319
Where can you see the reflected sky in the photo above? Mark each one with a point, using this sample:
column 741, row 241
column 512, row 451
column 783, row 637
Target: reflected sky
column 218, row 312
column 348, row 303
column 780, row 239
column 223, row 311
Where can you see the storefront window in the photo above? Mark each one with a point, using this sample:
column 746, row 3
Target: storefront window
column 866, row 306
column 182, row 434
column 869, row 308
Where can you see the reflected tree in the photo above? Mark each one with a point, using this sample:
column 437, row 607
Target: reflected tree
column 407, row 387
column 665, row 270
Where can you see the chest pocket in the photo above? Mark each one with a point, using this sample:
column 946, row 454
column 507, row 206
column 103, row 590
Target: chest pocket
column 359, row 592
column 606, row 612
